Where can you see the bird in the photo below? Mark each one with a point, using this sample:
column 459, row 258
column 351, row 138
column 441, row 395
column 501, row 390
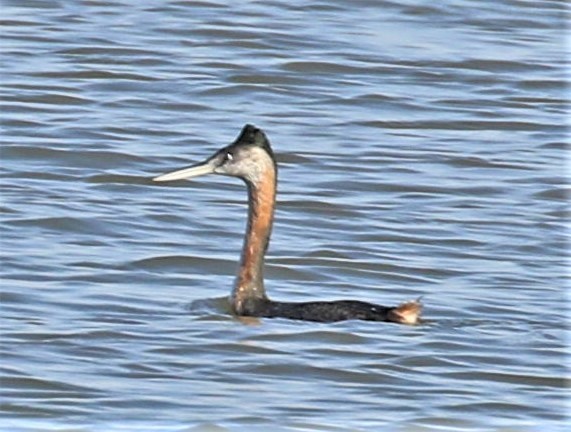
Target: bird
column 251, row 158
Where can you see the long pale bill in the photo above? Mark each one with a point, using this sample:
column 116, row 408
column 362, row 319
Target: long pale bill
column 193, row 171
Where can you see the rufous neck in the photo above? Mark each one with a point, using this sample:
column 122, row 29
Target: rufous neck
column 261, row 204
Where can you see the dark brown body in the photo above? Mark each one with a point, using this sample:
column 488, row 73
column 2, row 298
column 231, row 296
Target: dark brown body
column 330, row 311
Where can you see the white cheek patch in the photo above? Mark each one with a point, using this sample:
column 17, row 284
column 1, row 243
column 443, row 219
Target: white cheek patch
column 251, row 164
column 257, row 166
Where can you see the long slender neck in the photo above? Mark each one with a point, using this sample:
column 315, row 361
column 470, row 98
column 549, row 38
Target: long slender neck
column 249, row 287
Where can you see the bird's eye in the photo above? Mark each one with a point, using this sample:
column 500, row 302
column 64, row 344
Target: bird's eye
column 229, row 157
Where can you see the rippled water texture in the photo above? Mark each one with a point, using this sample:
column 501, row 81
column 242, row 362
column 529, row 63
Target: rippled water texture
column 422, row 153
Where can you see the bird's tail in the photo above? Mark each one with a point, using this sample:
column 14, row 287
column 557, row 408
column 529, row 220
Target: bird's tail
column 406, row 313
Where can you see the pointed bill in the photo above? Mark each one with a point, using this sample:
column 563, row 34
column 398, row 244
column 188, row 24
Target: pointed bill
column 193, row 171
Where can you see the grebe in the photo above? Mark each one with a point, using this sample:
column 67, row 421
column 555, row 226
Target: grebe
column 251, row 158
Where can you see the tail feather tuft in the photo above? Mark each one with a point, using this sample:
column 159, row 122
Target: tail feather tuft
column 407, row 313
